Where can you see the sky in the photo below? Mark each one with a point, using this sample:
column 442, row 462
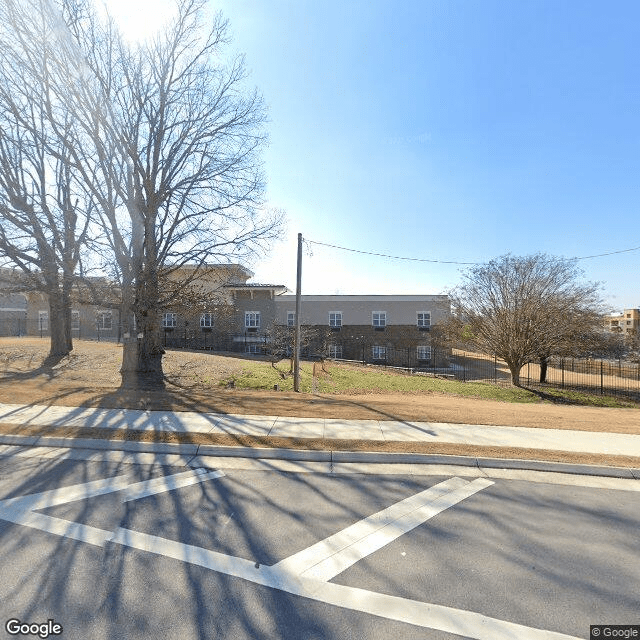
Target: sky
column 444, row 131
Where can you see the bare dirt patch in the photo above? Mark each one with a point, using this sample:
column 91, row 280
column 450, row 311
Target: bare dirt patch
column 89, row 377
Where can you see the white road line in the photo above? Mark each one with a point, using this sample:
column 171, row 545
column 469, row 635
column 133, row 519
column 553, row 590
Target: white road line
column 62, row 495
column 213, row 560
column 457, row 621
column 339, row 562
column 167, row 483
column 20, row 510
column 468, row 624
column 300, row 562
column 327, row 558
column 57, row 526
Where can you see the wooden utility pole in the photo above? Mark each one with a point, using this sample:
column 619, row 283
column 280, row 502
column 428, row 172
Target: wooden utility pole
column 296, row 353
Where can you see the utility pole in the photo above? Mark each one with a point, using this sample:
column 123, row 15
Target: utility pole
column 296, row 353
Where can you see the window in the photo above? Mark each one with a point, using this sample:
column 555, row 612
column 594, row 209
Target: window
column 424, row 319
column 75, row 320
column 335, row 319
column 335, row 351
column 424, row 353
column 43, row 320
column 169, row 320
column 379, row 319
column 252, row 319
column 206, row 320
column 379, row 353
column 291, row 319
column 253, row 347
column 104, row 321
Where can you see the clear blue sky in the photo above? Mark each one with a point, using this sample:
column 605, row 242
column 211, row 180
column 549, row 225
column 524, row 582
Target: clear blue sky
column 447, row 130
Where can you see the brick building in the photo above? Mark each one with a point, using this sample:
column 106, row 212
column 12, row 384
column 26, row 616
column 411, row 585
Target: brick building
column 220, row 309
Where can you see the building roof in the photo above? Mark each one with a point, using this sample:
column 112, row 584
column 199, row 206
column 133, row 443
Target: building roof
column 375, row 297
column 279, row 289
column 235, row 266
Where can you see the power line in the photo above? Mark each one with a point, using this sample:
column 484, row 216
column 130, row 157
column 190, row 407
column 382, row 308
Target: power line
column 611, row 253
column 384, row 255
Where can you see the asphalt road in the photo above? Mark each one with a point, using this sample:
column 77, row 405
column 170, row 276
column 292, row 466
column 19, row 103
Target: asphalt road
column 113, row 551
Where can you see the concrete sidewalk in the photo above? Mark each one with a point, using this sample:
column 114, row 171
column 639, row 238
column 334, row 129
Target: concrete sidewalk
column 276, row 426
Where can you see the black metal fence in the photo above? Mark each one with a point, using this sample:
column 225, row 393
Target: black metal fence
column 80, row 329
column 607, row 377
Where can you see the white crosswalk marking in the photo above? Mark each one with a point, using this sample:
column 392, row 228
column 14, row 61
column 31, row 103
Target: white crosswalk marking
column 304, row 574
column 330, row 566
column 168, row 483
column 325, row 559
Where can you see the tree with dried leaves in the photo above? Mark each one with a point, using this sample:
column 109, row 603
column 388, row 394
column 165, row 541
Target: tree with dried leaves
column 529, row 308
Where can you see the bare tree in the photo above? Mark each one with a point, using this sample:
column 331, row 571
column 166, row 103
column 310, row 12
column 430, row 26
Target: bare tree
column 281, row 340
column 582, row 334
column 167, row 142
column 525, row 309
column 192, row 187
column 44, row 211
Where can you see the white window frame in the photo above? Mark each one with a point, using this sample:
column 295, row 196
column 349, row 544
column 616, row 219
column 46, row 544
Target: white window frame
column 206, row 320
column 423, row 319
column 291, row 318
column 379, row 319
column 335, row 319
column 423, row 352
column 253, row 347
column 378, row 352
column 75, row 320
column 43, row 320
column 101, row 316
column 335, row 351
column 169, row 320
column 252, row 319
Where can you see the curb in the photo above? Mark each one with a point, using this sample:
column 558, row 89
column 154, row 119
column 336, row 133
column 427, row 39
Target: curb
column 331, row 457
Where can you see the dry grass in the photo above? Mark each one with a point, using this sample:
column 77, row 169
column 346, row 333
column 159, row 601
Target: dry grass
column 98, row 363
column 90, row 377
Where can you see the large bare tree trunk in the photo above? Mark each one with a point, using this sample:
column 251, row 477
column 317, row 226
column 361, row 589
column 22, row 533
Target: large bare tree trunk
column 515, row 375
column 142, row 363
column 544, row 363
column 142, row 349
column 60, row 327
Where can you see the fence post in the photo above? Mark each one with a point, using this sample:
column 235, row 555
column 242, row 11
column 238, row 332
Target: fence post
column 562, row 369
column 464, row 367
column 601, row 377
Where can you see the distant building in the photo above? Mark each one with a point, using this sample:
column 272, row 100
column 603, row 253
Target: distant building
column 219, row 308
column 626, row 322
column 13, row 305
column 373, row 328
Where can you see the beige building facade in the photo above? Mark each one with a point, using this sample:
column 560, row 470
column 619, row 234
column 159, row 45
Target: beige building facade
column 627, row 322
column 386, row 329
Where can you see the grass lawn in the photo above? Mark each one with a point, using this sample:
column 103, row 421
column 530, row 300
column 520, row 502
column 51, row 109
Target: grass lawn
column 338, row 378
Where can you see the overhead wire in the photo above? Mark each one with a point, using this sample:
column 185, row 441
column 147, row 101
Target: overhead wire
column 384, row 255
